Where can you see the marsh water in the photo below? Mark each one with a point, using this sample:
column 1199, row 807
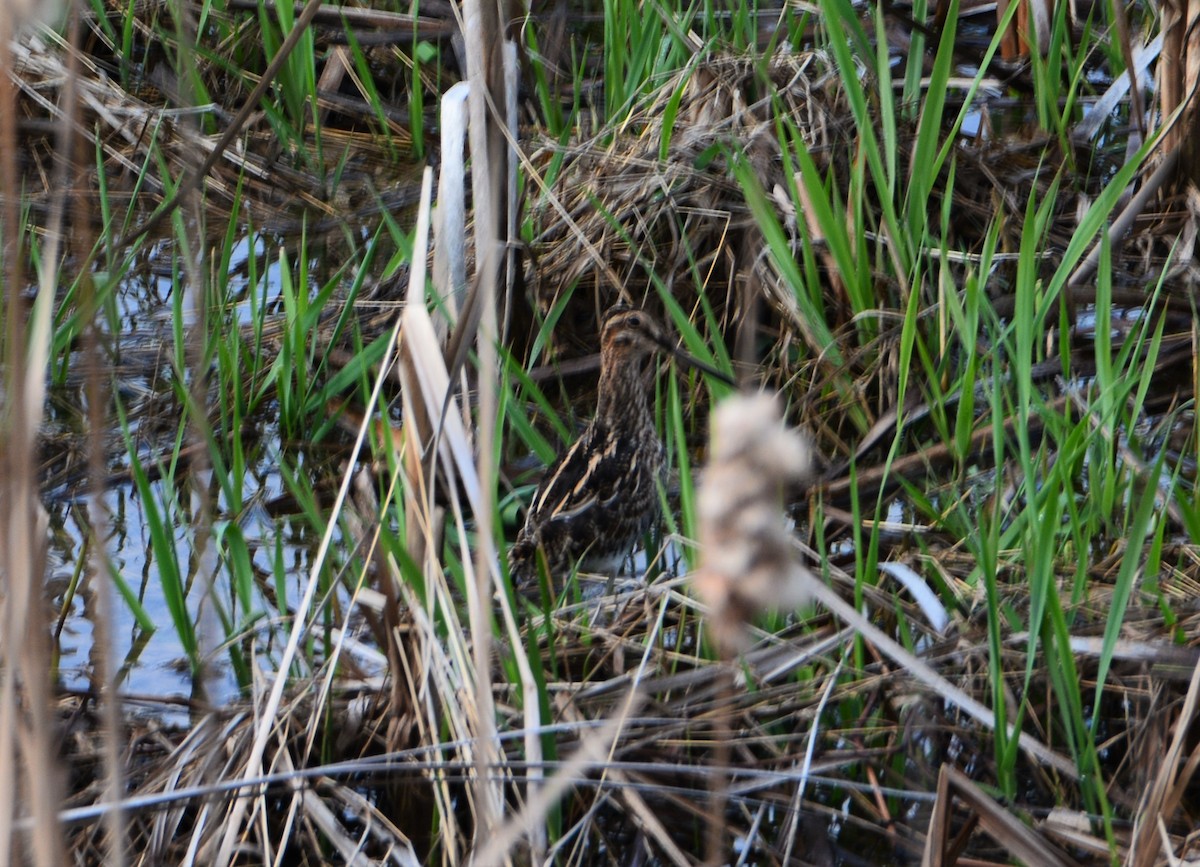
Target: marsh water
column 143, row 348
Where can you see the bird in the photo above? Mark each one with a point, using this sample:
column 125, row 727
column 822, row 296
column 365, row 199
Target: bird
column 600, row 496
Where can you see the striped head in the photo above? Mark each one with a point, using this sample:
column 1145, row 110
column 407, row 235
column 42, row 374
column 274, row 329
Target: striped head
column 628, row 334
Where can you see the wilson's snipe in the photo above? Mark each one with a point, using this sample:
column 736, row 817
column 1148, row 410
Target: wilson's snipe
column 601, row 495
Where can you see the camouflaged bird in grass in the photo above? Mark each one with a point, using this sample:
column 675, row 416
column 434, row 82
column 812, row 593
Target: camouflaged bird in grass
column 601, row 495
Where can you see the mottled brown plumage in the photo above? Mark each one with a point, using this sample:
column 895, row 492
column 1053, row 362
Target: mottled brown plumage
column 601, row 495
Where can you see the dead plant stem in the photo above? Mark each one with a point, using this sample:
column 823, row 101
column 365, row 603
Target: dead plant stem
column 717, row 843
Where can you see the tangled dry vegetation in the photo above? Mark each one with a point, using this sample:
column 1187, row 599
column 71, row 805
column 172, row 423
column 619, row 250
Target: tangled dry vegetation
column 358, row 765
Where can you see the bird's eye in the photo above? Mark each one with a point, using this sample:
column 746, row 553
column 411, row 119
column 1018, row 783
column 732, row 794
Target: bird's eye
column 635, row 321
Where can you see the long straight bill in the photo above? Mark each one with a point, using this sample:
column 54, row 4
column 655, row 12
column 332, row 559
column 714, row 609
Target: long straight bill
column 697, row 364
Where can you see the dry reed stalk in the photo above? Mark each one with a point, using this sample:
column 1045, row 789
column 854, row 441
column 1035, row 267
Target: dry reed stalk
column 492, row 167
column 484, row 36
column 1178, row 76
column 438, row 441
column 436, row 427
column 748, row 562
column 29, row 771
column 195, row 289
column 450, row 221
column 104, row 674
